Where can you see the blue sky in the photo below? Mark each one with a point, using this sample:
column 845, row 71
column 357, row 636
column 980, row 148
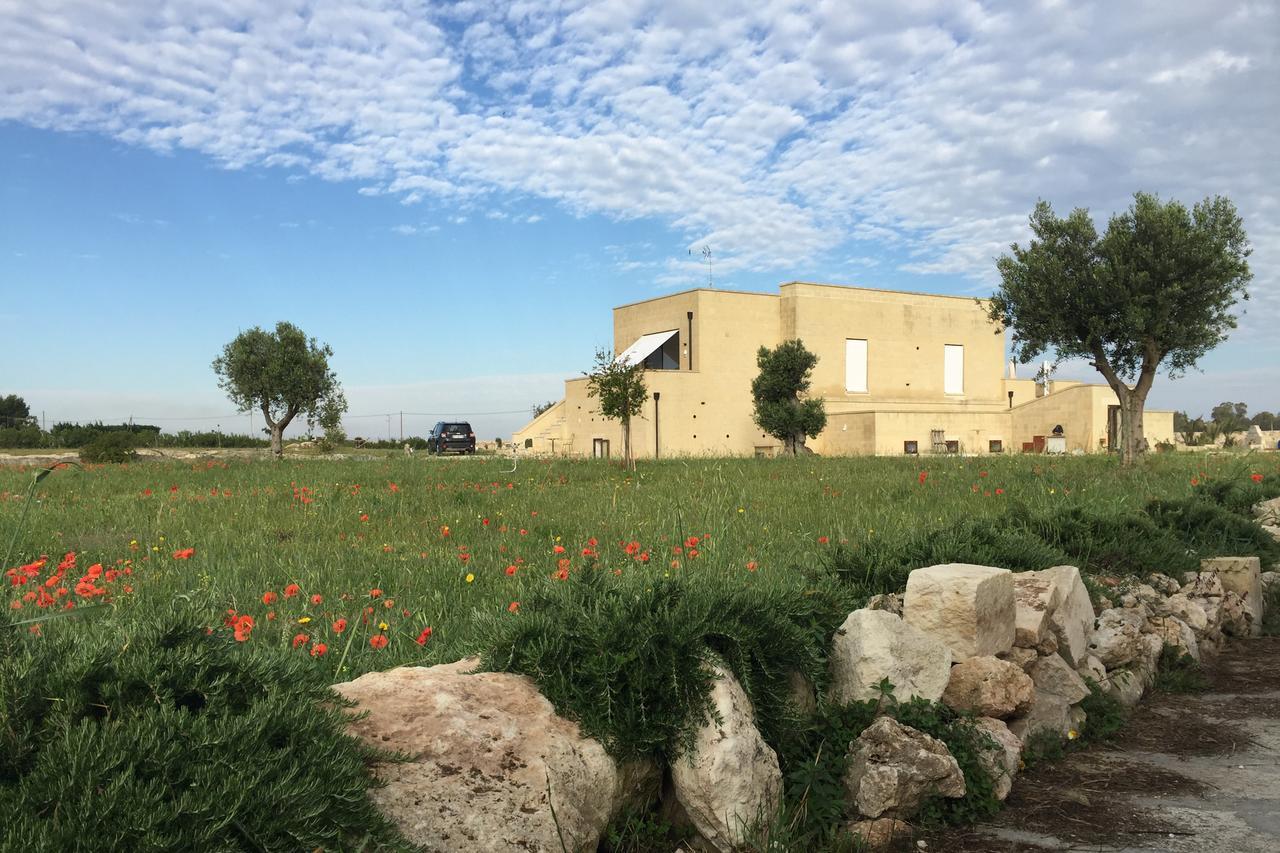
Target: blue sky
column 454, row 196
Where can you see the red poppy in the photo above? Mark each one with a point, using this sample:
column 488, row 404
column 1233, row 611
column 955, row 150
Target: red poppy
column 511, row 570
column 823, row 540
column 559, row 549
column 378, row 641
column 562, row 575
column 924, row 475
column 291, row 590
column 513, row 607
column 374, row 593
column 751, row 566
column 1257, row 478
column 317, row 599
column 318, row 649
column 299, row 639
column 423, row 637
column 184, row 554
column 999, row 491
column 1195, row 481
column 339, row 626
column 364, row 516
column 269, row 597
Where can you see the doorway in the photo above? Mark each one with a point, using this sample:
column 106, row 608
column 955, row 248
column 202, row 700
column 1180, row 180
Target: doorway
column 600, row 448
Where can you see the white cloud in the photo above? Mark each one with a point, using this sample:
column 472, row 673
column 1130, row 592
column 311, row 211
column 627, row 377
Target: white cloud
column 781, row 132
column 405, row 230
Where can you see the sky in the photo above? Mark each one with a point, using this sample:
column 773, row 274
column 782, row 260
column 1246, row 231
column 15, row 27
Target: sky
column 453, row 196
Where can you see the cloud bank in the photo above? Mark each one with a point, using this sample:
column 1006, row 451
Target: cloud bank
column 779, row 132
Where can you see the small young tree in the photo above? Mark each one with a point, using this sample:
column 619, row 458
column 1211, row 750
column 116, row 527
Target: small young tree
column 779, row 410
column 1156, row 289
column 282, row 374
column 539, row 408
column 622, row 392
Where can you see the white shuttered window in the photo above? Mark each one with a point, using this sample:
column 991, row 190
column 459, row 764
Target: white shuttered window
column 953, row 369
column 855, row 366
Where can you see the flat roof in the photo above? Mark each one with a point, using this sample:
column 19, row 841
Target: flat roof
column 808, row 283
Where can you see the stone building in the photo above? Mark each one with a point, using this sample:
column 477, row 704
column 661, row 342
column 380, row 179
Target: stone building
column 898, row 372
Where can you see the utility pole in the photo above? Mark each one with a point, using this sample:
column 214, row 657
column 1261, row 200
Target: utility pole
column 388, row 427
column 402, row 427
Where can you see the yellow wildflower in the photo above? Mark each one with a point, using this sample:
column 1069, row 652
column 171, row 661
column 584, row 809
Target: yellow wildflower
column 382, row 626
column 470, row 577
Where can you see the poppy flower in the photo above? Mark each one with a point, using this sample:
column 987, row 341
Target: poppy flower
column 1257, row 478
column 378, row 641
column 299, row 639
column 318, row 650
column 751, row 566
column 339, row 626
column 269, row 597
column 562, row 575
column 924, row 475
column 511, row 570
column 823, row 540
column 317, row 599
column 291, row 590
column 423, row 637
column 374, row 593
column 559, row 549
column 513, row 607
column 184, row 554
column 364, row 516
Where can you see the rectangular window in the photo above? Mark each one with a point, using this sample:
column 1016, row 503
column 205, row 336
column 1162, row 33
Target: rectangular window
column 911, row 448
column 855, row 366
column 995, row 445
column 953, row 369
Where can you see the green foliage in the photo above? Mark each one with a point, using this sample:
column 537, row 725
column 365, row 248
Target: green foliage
column 1179, row 673
column 1231, row 417
column 643, row 688
column 621, row 390
column 23, row 437
column 1104, row 715
column 641, row 831
column 779, row 410
column 1158, row 288
column 1238, row 495
column 283, row 374
column 14, row 411
column 159, row 736
column 109, row 447
column 1271, row 610
column 1209, row 530
column 1111, row 542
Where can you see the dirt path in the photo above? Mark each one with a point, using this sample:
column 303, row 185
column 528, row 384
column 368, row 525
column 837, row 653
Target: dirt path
column 1187, row 773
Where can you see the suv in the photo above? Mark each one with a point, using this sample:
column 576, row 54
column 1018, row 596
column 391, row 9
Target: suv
column 451, row 435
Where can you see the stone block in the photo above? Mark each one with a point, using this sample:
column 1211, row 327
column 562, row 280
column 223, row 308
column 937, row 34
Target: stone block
column 873, row 645
column 1243, row 576
column 969, row 608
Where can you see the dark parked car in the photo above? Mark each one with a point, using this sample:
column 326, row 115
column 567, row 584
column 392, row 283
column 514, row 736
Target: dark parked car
column 451, row 436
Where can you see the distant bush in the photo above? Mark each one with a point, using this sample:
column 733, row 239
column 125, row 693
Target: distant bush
column 23, row 437
column 160, row 736
column 109, row 447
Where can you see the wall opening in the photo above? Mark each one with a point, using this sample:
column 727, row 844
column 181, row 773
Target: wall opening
column 855, row 366
column 953, row 369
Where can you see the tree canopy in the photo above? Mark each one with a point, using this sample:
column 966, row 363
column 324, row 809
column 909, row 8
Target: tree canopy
column 1157, row 289
column 622, row 392
column 14, row 411
column 779, row 409
column 283, row 374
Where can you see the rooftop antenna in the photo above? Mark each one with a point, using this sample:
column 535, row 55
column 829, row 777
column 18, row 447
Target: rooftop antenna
column 706, row 256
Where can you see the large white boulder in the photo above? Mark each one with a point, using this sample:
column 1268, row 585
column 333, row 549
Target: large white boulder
column 1174, row 632
column 1243, row 576
column 730, row 781
column 892, row 769
column 1048, row 713
column 1115, row 639
column 873, row 645
column 1184, row 608
column 1267, row 512
column 1053, row 675
column 1034, row 595
column 1003, row 755
column 489, row 757
column 969, row 608
column 1126, row 686
column 1072, row 617
column 989, row 687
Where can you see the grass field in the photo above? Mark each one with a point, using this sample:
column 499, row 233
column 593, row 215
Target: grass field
column 416, row 543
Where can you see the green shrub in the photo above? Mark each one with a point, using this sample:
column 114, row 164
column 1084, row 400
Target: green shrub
column 166, row 737
column 1104, row 715
column 624, row 655
column 1110, row 543
column 1210, row 530
column 1239, row 496
column 1179, row 673
column 109, row 447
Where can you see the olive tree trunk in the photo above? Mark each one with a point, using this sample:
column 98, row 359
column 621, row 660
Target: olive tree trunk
column 1133, row 441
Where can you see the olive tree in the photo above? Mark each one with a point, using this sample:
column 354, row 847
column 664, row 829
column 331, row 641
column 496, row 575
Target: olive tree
column 779, row 409
column 622, row 392
column 283, row 374
column 1156, row 289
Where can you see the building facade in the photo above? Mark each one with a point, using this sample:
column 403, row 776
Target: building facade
column 898, row 372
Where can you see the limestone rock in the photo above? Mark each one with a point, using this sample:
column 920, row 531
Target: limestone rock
column 1243, row 576
column 1033, row 598
column 881, row 833
column 890, row 601
column 731, row 779
column 1072, row 616
column 873, row 645
column 970, row 608
column 1020, row 657
column 1126, row 686
column 802, row 693
column 1048, row 713
column 485, row 749
column 1272, row 530
column 1203, row 584
column 1115, row 639
column 1093, row 670
column 1003, row 757
column 989, row 687
column 1270, row 580
column 1047, row 646
column 1236, row 619
column 1188, row 611
column 893, row 768
column 1164, row 584
column 1053, row 675
column 1267, row 512
column 1174, row 632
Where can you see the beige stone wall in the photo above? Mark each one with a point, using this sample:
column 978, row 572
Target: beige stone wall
column 706, row 410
